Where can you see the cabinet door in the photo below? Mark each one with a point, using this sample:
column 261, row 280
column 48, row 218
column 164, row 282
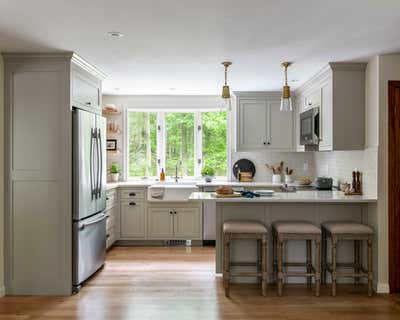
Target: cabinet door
column 187, row 223
column 252, row 124
column 85, row 90
column 133, row 220
column 281, row 136
column 326, row 117
column 160, row 223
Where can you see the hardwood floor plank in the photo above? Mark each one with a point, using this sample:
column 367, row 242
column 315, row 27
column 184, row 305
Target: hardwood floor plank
column 179, row 283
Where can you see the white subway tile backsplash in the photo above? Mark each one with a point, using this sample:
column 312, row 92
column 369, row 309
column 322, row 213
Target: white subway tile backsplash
column 340, row 164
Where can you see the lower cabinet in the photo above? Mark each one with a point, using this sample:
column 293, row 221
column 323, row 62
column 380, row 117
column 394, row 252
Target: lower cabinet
column 174, row 223
column 133, row 219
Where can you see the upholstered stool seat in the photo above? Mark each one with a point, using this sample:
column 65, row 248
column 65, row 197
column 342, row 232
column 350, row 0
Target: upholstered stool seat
column 245, row 229
column 356, row 232
column 347, row 228
column 243, row 226
column 283, row 231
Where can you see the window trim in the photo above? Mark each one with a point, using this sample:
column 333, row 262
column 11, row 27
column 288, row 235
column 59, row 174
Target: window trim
column 161, row 139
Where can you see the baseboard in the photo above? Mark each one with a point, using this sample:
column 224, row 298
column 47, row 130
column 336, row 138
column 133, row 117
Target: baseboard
column 383, row 288
column 2, row 291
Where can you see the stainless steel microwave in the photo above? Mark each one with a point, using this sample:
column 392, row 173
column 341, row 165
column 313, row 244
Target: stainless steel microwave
column 309, row 126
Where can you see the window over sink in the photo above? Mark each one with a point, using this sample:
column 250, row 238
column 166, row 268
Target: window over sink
column 160, row 139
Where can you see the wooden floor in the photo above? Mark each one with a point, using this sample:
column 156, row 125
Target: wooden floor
column 179, row 283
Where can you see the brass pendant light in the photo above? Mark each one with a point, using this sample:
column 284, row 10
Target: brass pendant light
column 286, row 101
column 226, row 92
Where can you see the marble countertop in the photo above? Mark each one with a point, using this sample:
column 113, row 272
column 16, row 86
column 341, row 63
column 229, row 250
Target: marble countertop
column 199, row 183
column 299, row 196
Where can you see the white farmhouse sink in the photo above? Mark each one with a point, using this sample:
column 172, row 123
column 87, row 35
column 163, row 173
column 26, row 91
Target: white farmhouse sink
column 171, row 191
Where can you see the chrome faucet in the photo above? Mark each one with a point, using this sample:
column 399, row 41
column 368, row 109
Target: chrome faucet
column 176, row 170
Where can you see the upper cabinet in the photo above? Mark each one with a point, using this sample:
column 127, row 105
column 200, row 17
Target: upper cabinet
column 260, row 125
column 339, row 91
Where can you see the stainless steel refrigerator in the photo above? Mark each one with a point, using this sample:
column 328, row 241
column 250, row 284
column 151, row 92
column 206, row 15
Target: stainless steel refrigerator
column 89, row 219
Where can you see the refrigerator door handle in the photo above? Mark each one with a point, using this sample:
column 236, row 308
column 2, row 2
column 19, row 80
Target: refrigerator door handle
column 83, row 226
column 92, row 182
column 100, row 158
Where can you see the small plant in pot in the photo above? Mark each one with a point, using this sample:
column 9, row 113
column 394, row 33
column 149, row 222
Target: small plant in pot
column 114, row 172
column 208, row 173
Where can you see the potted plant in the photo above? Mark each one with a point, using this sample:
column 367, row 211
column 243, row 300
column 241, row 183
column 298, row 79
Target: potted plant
column 208, row 173
column 114, row 172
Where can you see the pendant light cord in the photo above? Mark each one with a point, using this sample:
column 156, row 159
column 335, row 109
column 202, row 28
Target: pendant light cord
column 226, row 74
column 286, row 76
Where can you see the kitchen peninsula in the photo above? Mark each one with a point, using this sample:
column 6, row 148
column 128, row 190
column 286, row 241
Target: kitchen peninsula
column 312, row 206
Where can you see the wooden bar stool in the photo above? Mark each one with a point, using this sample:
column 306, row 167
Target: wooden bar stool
column 240, row 230
column 283, row 231
column 347, row 231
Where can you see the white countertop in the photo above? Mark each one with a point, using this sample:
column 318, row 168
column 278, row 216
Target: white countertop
column 299, row 196
column 199, row 183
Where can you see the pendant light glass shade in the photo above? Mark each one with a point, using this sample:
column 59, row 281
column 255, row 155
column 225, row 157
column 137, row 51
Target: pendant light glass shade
column 286, row 100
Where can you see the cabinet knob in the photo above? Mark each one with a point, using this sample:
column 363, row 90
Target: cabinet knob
column 107, row 198
column 264, row 143
column 88, row 103
column 268, row 143
column 132, row 194
column 132, row 203
column 170, row 212
column 174, row 212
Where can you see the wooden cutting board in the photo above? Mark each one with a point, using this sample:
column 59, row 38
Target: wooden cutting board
column 232, row 195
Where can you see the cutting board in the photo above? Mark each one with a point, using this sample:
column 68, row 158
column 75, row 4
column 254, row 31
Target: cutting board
column 232, row 195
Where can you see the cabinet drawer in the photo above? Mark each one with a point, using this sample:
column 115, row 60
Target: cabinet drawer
column 132, row 193
column 111, row 198
column 110, row 223
column 85, row 91
column 110, row 239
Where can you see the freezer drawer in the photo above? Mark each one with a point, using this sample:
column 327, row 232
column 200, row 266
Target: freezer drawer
column 89, row 247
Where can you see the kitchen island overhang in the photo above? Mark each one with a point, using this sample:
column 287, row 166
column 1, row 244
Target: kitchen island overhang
column 312, row 206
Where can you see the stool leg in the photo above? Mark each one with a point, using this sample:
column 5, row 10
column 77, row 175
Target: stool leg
column 334, row 243
column 317, row 267
column 324, row 256
column 226, row 276
column 274, row 254
column 264, row 252
column 309, row 262
column 370, row 276
column 280, row 273
column 356, row 260
column 259, row 261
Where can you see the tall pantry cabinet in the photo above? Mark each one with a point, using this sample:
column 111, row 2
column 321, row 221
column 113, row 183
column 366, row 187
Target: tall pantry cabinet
column 40, row 90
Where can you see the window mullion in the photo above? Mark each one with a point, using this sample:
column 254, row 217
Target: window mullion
column 160, row 141
column 198, row 139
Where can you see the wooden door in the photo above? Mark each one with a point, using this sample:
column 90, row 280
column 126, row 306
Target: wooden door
column 394, row 186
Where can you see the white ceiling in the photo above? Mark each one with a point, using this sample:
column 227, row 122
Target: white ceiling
column 180, row 43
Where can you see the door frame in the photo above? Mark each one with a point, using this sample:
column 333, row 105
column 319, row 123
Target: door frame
column 394, row 184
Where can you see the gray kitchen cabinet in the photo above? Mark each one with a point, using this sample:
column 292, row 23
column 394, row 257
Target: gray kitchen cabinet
column 112, row 211
column 38, row 170
column 339, row 91
column 260, row 125
column 174, row 222
column 160, row 223
column 187, row 224
column 132, row 219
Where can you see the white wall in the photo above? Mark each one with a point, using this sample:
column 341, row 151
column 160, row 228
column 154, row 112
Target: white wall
column 1, row 177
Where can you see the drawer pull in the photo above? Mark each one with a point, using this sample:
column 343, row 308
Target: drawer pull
column 132, row 203
column 88, row 103
column 107, row 236
column 107, row 198
column 132, row 194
